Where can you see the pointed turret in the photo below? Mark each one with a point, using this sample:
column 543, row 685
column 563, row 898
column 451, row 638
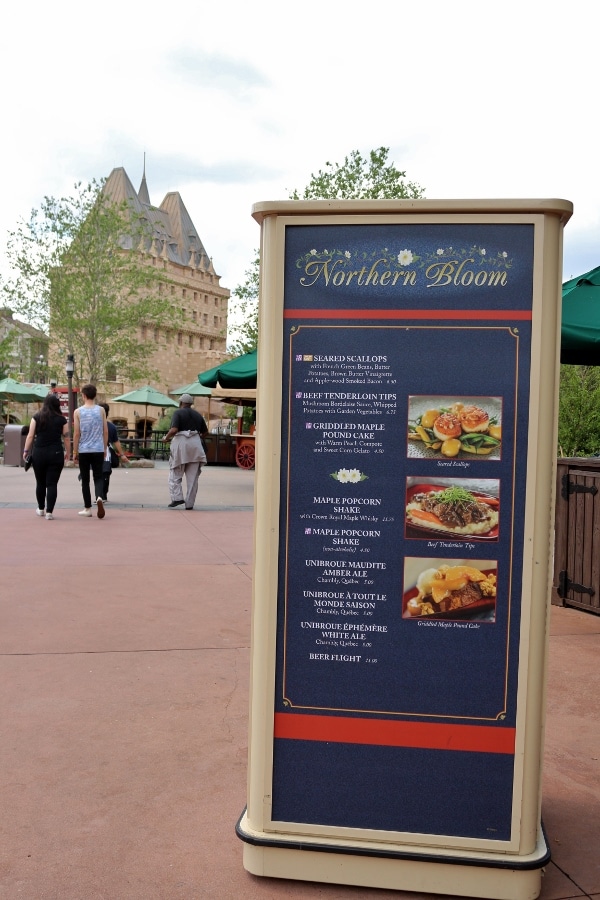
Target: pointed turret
column 143, row 191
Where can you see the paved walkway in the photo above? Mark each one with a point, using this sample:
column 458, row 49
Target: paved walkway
column 124, row 654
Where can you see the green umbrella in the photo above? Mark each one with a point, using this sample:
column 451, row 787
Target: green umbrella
column 195, row 389
column 147, row 396
column 237, row 373
column 580, row 332
column 42, row 390
column 20, row 393
column 17, row 392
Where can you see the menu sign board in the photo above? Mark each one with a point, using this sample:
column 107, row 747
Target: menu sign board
column 405, row 417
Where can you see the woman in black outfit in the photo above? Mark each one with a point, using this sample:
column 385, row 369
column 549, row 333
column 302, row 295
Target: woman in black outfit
column 47, row 431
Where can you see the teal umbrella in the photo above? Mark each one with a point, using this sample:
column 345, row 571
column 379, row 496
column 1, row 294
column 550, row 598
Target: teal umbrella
column 17, row 392
column 580, row 331
column 146, row 396
column 237, row 373
column 42, row 390
column 195, row 389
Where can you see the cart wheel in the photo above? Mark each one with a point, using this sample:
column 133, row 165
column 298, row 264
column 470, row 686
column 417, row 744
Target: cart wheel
column 244, row 456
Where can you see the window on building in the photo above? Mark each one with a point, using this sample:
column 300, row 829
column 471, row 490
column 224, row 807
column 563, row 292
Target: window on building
column 205, row 319
column 111, row 372
column 216, row 301
column 144, row 332
column 190, row 340
column 179, row 338
column 216, row 321
column 183, row 292
column 157, row 335
column 161, row 287
column 194, row 315
column 195, row 296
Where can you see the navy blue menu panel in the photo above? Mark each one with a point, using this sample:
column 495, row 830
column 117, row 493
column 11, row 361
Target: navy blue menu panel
column 406, row 365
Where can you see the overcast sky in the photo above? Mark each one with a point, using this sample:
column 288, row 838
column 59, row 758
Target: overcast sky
column 235, row 103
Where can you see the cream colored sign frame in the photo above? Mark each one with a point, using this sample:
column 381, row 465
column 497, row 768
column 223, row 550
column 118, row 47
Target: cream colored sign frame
column 482, row 868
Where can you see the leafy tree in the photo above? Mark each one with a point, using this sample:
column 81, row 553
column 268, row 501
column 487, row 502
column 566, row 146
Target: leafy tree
column 356, row 178
column 82, row 273
column 6, row 347
column 246, row 311
column 579, row 411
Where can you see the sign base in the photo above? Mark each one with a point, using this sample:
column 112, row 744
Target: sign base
column 493, row 876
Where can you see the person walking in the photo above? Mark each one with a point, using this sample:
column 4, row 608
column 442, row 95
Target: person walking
column 187, row 454
column 90, row 440
column 47, row 431
column 116, row 452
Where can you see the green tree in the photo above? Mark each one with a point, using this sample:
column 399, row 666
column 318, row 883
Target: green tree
column 245, row 311
column 81, row 273
column 357, row 178
column 579, row 411
column 6, row 348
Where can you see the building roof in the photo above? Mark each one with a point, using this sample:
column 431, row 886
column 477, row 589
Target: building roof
column 173, row 235
column 23, row 327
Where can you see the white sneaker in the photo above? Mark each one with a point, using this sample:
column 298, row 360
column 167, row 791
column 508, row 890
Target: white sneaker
column 85, row 512
column 40, row 512
column 49, row 516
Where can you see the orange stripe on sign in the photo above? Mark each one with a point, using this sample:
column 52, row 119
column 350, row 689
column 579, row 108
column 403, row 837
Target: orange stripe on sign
column 472, row 314
column 387, row 733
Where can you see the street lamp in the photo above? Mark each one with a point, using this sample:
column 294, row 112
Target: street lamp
column 40, row 361
column 70, row 368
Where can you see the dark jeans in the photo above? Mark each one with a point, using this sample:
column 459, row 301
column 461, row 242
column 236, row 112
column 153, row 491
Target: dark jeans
column 106, row 483
column 47, row 464
column 94, row 462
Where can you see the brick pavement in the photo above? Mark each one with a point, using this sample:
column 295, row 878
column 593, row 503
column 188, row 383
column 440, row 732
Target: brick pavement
column 124, row 654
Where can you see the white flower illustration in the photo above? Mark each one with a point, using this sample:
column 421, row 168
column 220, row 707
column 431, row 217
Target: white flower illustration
column 440, row 252
column 482, row 251
column 349, row 476
column 504, row 254
column 405, row 257
column 313, row 252
column 347, row 254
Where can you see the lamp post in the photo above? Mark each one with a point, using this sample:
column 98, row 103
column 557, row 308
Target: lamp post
column 70, row 368
column 41, row 363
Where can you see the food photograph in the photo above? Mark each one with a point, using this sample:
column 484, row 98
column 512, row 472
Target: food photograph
column 450, row 427
column 450, row 589
column 462, row 508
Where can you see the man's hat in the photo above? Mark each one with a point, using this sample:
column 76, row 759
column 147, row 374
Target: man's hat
column 186, row 398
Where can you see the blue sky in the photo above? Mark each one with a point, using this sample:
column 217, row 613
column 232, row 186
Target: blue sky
column 239, row 103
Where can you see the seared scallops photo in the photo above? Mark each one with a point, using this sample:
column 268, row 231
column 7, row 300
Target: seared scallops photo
column 443, row 426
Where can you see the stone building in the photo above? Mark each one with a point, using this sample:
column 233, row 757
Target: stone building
column 190, row 277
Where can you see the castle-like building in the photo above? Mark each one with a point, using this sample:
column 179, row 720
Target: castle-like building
column 190, row 278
